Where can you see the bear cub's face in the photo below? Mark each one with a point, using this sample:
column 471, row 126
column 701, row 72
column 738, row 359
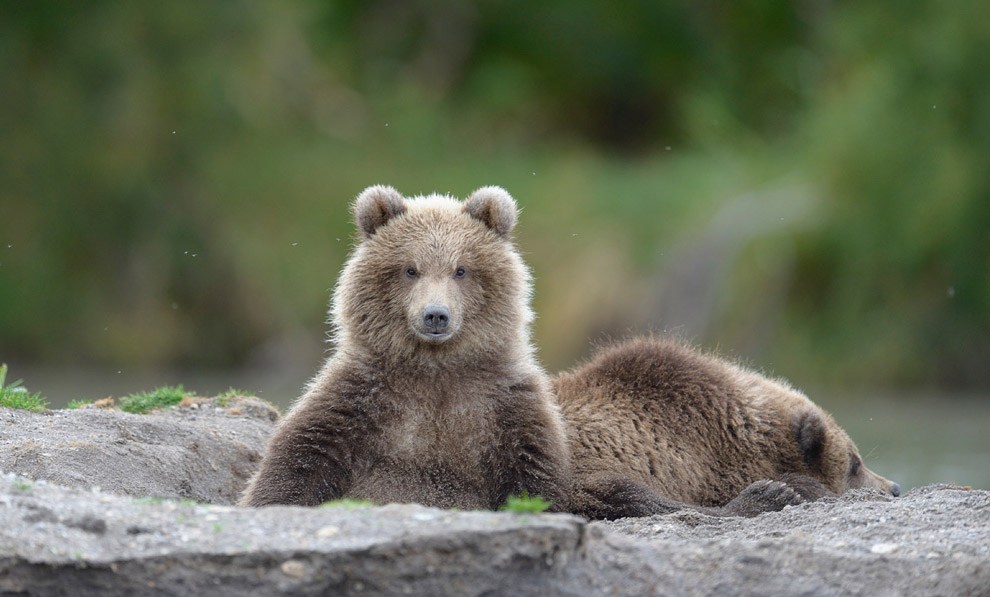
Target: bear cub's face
column 432, row 274
column 831, row 456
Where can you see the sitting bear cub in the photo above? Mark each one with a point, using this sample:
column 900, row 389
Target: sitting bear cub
column 433, row 394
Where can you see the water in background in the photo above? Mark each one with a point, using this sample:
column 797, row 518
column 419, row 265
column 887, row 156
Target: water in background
column 914, row 440
column 919, row 439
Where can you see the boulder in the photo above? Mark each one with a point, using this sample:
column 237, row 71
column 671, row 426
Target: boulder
column 69, row 541
column 203, row 450
column 82, row 513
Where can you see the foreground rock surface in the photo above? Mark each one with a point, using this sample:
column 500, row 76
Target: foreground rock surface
column 203, row 450
column 65, row 541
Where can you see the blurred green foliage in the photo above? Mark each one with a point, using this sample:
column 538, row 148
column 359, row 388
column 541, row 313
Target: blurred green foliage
column 811, row 176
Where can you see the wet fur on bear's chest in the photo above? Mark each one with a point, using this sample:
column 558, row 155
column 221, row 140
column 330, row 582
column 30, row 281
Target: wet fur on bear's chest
column 436, row 450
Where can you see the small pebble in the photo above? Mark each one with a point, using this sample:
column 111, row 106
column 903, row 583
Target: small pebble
column 293, row 568
column 884, row 548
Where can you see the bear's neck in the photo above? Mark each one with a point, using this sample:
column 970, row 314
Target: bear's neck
column 512, row 359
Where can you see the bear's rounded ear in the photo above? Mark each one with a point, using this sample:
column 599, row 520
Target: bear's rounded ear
column 808, row 428
column 375, row 206
column 494, row 207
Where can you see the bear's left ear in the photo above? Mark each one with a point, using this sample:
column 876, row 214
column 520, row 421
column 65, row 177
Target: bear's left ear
column 494, row 207
column 809, row 432
column 375, row 206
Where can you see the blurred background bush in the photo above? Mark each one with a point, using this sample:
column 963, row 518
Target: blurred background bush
column 803, row 185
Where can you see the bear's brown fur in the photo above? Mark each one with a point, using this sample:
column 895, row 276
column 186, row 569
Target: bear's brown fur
column 433, row 394
column 651, row 417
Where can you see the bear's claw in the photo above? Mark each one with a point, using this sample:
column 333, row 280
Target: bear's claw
column 764, row 496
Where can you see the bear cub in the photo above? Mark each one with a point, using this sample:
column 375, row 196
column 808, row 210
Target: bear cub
column 652, row 417
column 433, row 394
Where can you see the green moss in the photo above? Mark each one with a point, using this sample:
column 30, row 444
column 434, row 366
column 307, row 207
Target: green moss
column 163, row 397
column 16, row 395
column 23, row 486
column 525, row 504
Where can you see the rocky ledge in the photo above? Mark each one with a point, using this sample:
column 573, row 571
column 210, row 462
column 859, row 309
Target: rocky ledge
column 58, row 540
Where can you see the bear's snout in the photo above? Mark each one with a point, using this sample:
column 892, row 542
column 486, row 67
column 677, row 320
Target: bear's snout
column 436, row 318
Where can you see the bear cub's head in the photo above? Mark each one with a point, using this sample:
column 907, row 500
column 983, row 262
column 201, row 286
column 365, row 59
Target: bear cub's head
column 433, row 277
column 829, row 454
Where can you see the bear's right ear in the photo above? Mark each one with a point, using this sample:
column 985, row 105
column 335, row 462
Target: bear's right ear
column 375, row 206
column 494, row 207
column 809, row 432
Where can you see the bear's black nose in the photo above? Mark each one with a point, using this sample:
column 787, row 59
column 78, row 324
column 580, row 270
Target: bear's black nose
column 436, row 318
column 895, row 489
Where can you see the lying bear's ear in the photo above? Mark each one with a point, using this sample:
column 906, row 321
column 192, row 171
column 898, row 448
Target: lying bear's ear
column 494, row 207
column 375, row 206
column 809, row 432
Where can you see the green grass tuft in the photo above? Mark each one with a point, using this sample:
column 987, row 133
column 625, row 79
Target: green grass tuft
column 16, row 395
column 163, row 397
column 525, row 504
column 348, row 504
column 75, row 404
column 224, row 398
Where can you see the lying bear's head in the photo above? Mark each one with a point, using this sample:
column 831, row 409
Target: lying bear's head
column 831, row 456
column 433, row 277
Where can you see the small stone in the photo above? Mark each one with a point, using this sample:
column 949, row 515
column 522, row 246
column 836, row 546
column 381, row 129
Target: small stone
column 327, row 531
column 293, row 568
column 884, row 548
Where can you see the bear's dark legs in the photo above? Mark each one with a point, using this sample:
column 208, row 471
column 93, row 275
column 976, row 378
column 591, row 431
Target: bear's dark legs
column 809, row 488
column 760, row 496
column 611, row 498
column 532, row 455
column 310, row 457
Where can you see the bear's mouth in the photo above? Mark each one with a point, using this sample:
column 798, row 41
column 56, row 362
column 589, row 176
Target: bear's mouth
column 434, row 337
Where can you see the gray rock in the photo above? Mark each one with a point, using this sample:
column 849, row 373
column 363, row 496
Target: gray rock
column 50, row 545
column 61, row 541
column 79, row 540
column 203, row 451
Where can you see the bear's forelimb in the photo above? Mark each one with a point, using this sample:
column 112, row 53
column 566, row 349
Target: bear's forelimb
column 609, row 498
column 533, row 455
column 309, row 460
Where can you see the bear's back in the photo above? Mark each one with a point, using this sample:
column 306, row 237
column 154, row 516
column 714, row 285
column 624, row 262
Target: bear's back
column 672, row 418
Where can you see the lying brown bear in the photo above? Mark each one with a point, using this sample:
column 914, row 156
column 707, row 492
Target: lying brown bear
column 652, row 417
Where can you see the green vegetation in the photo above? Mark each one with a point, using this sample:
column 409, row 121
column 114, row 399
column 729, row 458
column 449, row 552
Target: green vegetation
column 525, row 504
column 22, row 486
column 15, row 395
column 163, row 397
column 347, row 504
column 231, row 393
column 815, row 176
column 76, row 404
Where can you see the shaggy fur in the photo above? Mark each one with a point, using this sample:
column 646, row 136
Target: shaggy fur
column 651, row 418
column 433, row 394
column 448, row 412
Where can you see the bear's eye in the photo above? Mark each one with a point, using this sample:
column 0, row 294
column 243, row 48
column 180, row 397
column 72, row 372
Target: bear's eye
column 460, row 273
column 412, row 273
column 854, row 466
